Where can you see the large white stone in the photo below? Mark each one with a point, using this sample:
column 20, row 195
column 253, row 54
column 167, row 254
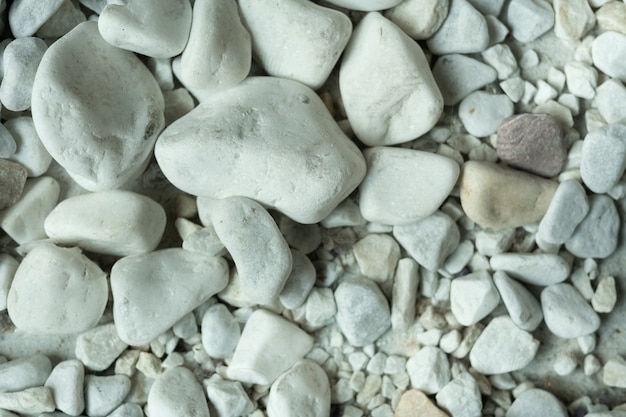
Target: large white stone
column 57, row 291
column 113, row 222
column 96, row 108
column 103, row 394
column 220, row 332
column 152, row 292
column 308, row 44
column 268, row 139
column 177, row 393
column 388, row 90
column 461, row 396
column 404, row 185
column 528, row 19
column 23, row 373
column 154, row 28
column 303, row 390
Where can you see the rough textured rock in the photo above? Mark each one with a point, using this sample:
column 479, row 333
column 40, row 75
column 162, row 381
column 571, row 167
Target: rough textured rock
column 12, row 181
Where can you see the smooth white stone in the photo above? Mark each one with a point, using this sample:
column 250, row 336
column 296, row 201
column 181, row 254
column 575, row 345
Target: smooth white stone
column 220, row 332
column 536, row 403
column 186, row 327
column 29, row 401
column 365, row 5
column 605, row 297
column 320, row 308
column 587, row 344
column 568, row 208
column 497, row 30
column 154, row 28
column 608, row 52
column 404, row 185
column 450, row 341
column 573, row 19
column 610, row 100
column 473, row 297
column 20, row 60
column 532, row 268
column 228, row 397
column 528, row 19
column 300, row 281
column 404, row 294
column 377, row 256
column 362, row 311
column 57, row 291
column 491, row 242
column 152, row 292
column 218, row 53
column 502, row 347
column 419, row 19
column 502, row 59
column 27, row 16
column 103, row 394
column 387, row 88
column 523, row 307
column 614, row 372
column 269, row 345
column 428, row 369
column 161, row 69
column 66, row 384
column 603, row 158
column 30, row 152
column 429, row 241
column 565, row 364
column 458, row 75
column 597, row 235
column 99, row 347
column 482, row 112
column 545, row 92
column 8, row 266
column 66, row 18
column 23, row 373
column 460, row 257
column 558, row 111
column 461, row 397
column 591, row 366
column 464, row 31
column 96, row 108
column 116, row 222
column 252, row 238
column 252, row 140
column 582, row 79
column 566, row 312
column 307, row 46
column 303, row 390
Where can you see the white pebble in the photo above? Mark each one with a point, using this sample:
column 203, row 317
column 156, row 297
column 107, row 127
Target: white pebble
column 30, row 151
column 27, row 372
column 464, row 31
column 127, row 410
column 610, row 100
column 596, row 236
column 482, row 112
column 27, row 16
column 532, row 268
column 528, row 19
column 460, row 257
column 178, row 103
column 497, row 30
column 582, row 79
column 29, row 401
column 142, row 309
column 591, row 365
column 419, row 19
column 404, row 294
column 320, row 308
column 581, row 281
column 566, row 313
column 573, row 19
column 384, row 109
column 491, row 242
column 377, row 256
column 304, row 389
column 565, row 364
column 459, row 75
column 154, row 28
column 66, row 382
column 20, row 60
column 473, row 297
column 587, row 344
column 450, row 341
column 347, row 213
column 177, row 392
column 299, row 283
column 99, row 347
column 603, row 157
column 614, row 372
column 48, row 274
column 268, row 346
column 536, row 402
column 428, row 369
column 545, row 92
column 502, row 59
column 461, row 397
column 562, row 114
column 103, row 394
column 521, row 304
column 566, row 210
column 605, row 297
column 66, row 18
column 502, row 347
column 608, row 52
column 228, row 397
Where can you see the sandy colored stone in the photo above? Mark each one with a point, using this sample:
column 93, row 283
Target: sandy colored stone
column 415, row 403
column 498, row 197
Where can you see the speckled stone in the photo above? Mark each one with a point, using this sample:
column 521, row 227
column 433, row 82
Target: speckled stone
column 532, row 142
column 12, row 180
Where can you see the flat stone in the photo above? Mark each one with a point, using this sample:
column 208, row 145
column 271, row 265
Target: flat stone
column 611, row 17
column 481, row 113
column 419, row 19
column 362, row 311
column 573, row 19
column 566, row 312
column 27, row 16
column 28, row 372
column 458, row 75
column 66, row 384
column 608, row 52
column 532, row 268
column 48, row 274
column 308, row 45
column 152, row 292
column 220, row 332
column 30, row 152
column 235, row 140
column 12, row 181
column 528, row 19
column 228, row 397
column 177, row 392
column 473, row 297
column 428, row 369
column 112, row 222
column 260, row 252
column 99, row 347
column 536, row 403
column 29, row 401
column 269, row 345
column 568, row 208
column 461, row 397
column 103, row 394
column 404, row 185
column 502, row 347
column 384, row 109
column 603, row 158
column 304, row 389
column 96, row 108
column 416, row 403
column 534, row 143
column 498, row 197
column 20, row 60
column 596, row 236
column 365, row 5
column 582, row 79
column 154, row 28
column 463, row 31
column 429, row 241
column 300, row 281
column 611, row 101
column 404, row 294
column 521, row 304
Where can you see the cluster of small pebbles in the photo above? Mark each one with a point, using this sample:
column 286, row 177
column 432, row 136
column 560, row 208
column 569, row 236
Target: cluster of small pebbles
column 385, row 208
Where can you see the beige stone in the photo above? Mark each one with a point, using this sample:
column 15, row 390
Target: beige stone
column 415, row 403
column 498, row 197
column 612, row 17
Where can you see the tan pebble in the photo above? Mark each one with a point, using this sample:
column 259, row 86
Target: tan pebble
column 415, row 403
column 497, row 197
column 612, row 17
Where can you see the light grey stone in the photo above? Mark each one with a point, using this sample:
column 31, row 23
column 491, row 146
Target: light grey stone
column 523, row 307
column 404, row 294
column 127, row 410
column 603, row 157
column 27, row 16
column 66, row 382
column 8, row 146
column 497, row 30
column 458, row 75
column 377, row 256
column 30, row 151
column 23, row 373
column 103, row 394
column 596, row 236
column 20, row 60
column 220, row 332
column 582, row 79
column 99, row 347
column 419, row 19
column 228, row 397
column 320, row 308
column 464, row 31
column 29, row 401
column 568, row 208
column 482, row 113
column 365, row 5
column 528, row 19
column 611, row 101
column 608, row 51
column 177, row 392
column 300, row 281
column 501, row 59
column 302, row 390
column 536, row 403
column 428, row 369
column 566, row 312
column 573, row 19
column 66, row 18
column 473, row 297
column 461, row 397
column 532, row 268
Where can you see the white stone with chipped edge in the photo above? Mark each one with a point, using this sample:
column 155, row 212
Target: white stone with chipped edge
column 573, row 19
column 27, row 16
column 608, row 52
column 428, row 369
column 521, row 304
column 566, row 312
column 99, row 347
column 532, row 268
column 66, row 382
column 228, row 397
column 501, row 59
column 461, row 397
column 463, row 31
column 473, row 297
column 29, row 401
column 377, row 256
column 605, row 296
column 582, row 79
column 177, row 392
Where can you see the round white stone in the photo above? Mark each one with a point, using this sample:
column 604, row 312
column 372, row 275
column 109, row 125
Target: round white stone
column 220, row 332
column 566, row 312
column 482, row 112
column 303, row 390
column 609, row 52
